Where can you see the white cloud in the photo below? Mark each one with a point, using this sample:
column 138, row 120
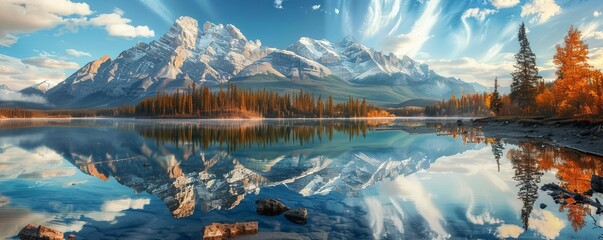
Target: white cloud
column 479, row 14
column 10, row 96
column 596, row 14
column 412, row 42
column 471, row 70
column 118, row 26
column 8, row 39
column 278, row 4
column 381, row 14
column 540, row 11
column 508, row 231
column 112, row 209
column 504, row 3
column 25, row 16
column 77, row 53
column 591, row 30
column 39, row 163
column 595, row 57
column 18, row 75
column 160, row 9
column 47, row 62
column 337, row 11
column 546, row 223
column 316, row 7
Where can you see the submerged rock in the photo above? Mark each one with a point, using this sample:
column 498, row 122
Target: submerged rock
column 299, row 215
column 596, row 183
column 31, row 232
column 218, row 231
column 270, row 207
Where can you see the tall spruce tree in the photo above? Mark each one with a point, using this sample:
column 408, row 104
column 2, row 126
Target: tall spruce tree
column 495, row 100
column 525, row 76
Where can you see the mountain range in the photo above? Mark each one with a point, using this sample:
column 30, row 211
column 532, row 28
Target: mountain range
column 216, row 54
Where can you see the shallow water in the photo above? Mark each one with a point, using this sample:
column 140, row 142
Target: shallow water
column 362, row 179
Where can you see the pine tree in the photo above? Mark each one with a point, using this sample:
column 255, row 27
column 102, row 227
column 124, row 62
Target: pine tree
column 525, row 76
column 495, row 100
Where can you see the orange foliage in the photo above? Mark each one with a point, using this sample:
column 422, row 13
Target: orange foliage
column 577, row 88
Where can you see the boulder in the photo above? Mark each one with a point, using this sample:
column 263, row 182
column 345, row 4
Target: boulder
column 299, row 215
column 596, row 183
column 270, row 207
column 542, row 206
column 218, row 231
column 31, row 232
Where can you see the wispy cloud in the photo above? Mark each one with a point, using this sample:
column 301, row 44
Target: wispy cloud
column 51, row 63
column 477, row 14
column 76, row 53
column 316, row 7
column 159, row 8
column 411, row 43
column 381, row 15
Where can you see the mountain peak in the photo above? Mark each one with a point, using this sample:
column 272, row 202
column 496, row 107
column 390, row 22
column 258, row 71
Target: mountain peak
column 207, row 26
column 186, row 22
column 235, row 32
column 4, row 87
column 347, row 41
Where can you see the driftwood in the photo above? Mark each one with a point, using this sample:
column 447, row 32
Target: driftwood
column 557, row 193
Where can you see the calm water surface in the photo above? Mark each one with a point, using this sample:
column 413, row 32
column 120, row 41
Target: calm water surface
column 359, row 179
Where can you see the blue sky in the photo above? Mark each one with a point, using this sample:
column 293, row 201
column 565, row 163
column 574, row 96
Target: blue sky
column 472, row 39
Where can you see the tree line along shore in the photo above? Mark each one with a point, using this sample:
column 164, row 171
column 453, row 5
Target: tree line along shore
column 576, row 93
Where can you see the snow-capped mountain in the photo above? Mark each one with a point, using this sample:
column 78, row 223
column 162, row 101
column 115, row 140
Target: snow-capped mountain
column 180, row 57
column 213, row 54
column 3, row 87
column 37, row 89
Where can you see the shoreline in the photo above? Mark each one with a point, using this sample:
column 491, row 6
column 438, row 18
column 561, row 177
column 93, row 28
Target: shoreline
column 578, row 134
column 252, row 119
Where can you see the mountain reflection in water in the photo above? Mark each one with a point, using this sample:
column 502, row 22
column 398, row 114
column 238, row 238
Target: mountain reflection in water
column 214, row 165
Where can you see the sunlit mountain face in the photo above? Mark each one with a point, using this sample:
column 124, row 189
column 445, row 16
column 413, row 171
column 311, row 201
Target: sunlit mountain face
column 369, row 178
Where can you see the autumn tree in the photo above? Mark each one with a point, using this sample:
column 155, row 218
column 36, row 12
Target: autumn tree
column 525, row 76
column 573, row 86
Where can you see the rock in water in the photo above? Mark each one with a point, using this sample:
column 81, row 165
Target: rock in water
column 270, row 207
column 299, row 215
column 542, row 206
column 218, row 231
column 596, row 183
column 31, row 232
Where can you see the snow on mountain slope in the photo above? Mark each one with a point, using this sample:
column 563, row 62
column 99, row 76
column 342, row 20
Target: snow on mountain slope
column 286, row 64
column 37, row 89
column 214, row 54
column 182, row 56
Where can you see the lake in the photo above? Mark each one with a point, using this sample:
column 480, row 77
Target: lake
column 359, row 179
